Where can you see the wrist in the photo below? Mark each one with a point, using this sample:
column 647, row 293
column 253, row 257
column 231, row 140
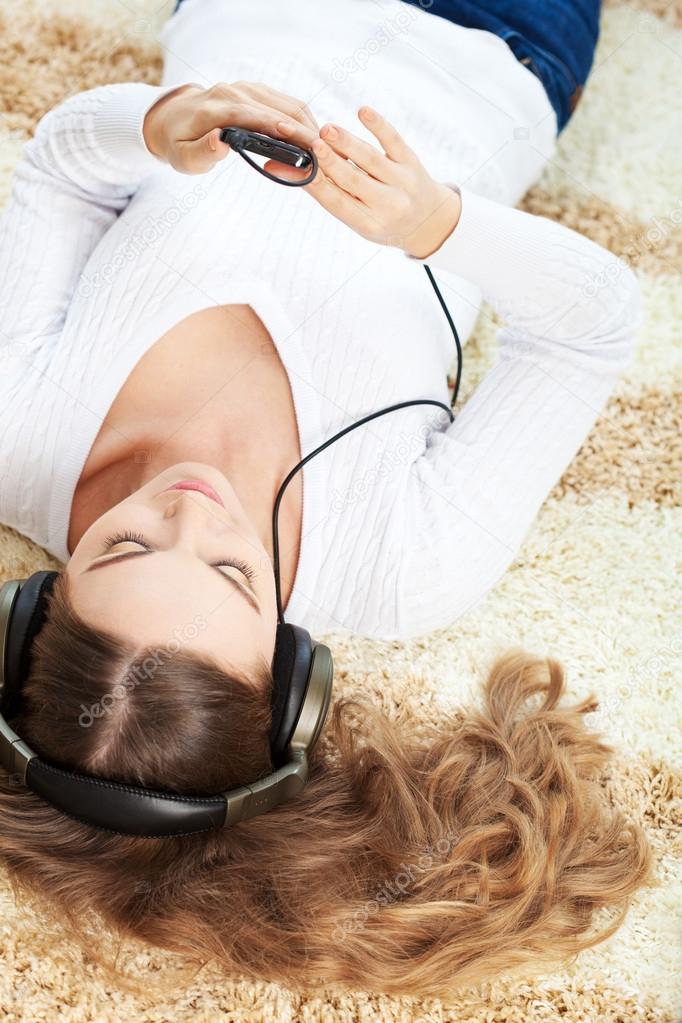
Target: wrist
column 438, row 226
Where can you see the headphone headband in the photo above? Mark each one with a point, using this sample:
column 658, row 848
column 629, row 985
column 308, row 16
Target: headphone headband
column 302, row 672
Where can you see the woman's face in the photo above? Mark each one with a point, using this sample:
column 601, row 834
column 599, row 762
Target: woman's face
column 178, row 565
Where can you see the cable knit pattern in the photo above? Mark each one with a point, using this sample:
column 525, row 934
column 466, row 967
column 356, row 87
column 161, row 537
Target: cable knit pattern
column 407, row 522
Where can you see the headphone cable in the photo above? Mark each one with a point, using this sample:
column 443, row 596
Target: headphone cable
column 353, row 426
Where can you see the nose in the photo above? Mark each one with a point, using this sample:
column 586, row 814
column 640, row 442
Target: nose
column 194, row 513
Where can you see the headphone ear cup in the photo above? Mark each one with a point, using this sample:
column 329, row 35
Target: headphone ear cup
column 291, row 670
column 27, row 618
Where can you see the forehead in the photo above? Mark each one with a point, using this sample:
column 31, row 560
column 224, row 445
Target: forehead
column 152, row 603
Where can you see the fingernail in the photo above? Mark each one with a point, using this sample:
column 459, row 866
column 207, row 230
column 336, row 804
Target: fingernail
column 211, row 141
column 284, row 127
column 329, row 132
column 367, row 113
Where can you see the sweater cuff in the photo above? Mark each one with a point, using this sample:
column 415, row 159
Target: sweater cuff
column 486, row 236
column 119, row 121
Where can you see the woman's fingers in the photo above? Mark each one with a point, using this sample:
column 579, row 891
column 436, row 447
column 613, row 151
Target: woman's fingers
column 246, row 113
column 388, row 198
column 346, row 175
column 391, row 141
column 339, row 191
column 259, row 94
column 289, row 105
column 340, row 204
column 366, row 156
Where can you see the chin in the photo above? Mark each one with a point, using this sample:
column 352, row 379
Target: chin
column 195, row 470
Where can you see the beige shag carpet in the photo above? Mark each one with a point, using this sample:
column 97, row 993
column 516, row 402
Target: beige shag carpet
column 594, row 585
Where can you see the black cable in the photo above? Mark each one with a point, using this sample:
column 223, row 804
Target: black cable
column 353, row 426
column 453, row 328
column 290, row 475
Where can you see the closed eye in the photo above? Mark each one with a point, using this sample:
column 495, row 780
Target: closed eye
column 128, row 536
column 241, row 566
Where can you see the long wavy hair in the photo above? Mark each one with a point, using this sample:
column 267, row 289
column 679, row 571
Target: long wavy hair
column 413, row 862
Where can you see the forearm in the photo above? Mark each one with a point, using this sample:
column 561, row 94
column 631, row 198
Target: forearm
column 94, row 141
column 473, row 494
column 550, row 285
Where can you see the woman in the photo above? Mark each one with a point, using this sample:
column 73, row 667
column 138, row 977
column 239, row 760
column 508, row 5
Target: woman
column 170, row 350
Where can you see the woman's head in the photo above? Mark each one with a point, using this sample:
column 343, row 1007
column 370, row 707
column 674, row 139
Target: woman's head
column 411, row 862
column 168, row 564
column 164, row 716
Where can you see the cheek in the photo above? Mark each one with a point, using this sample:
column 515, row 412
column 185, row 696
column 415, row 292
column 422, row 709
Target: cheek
column 269, row 598
column 90, row 544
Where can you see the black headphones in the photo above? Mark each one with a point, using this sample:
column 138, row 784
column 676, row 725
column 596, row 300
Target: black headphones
column 302, row 690
column 302, row 672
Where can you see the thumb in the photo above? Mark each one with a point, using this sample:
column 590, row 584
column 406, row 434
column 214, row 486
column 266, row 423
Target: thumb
column 196, row 156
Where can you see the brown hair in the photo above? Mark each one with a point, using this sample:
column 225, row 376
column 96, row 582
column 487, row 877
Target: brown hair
column 412, row 862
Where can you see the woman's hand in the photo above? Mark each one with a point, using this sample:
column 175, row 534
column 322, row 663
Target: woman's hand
column 387, row 197
column 183, row 127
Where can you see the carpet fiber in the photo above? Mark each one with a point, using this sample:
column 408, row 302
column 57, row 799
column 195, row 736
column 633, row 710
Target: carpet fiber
column 594, row 584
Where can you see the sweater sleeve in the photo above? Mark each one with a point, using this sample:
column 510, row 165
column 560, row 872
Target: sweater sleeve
column 570, row 310
column 86, row 159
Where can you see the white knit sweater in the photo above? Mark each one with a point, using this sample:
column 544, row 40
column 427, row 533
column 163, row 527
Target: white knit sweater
column 409, row 521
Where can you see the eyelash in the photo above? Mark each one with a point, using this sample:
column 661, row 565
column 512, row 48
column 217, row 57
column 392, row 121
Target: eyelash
column 128, row 536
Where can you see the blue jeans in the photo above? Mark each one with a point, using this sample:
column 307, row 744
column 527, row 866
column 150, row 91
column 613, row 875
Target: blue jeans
column 555, row 39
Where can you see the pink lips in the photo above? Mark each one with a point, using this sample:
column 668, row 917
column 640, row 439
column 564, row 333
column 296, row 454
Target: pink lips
column 200, row 486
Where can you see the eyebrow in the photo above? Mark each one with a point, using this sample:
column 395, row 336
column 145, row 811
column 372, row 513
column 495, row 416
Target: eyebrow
column 139, row 554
